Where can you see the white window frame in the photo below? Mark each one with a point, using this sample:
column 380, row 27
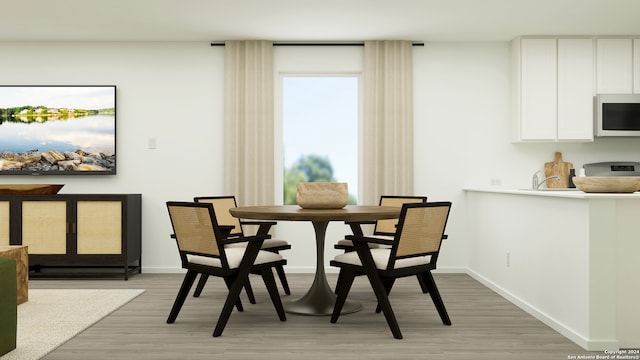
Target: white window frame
column 313, row 61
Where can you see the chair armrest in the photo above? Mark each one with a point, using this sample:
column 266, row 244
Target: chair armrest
column 362, row 222
column 356, row 229
column 244, row 222
column 264, row 228
column 226, row 230
column 245, row 239
column 369, row 239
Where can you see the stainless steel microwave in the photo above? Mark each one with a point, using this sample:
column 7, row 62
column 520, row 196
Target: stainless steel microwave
column 617, row 115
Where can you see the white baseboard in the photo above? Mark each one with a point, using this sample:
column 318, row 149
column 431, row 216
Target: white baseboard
column 451, row 270
column 289, row 269
column 585, row 343
column 334, row 270
column 163, row 270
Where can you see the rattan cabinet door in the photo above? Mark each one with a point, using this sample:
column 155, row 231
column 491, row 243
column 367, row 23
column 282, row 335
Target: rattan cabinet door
column 5, row 223
column 99, row 227
column 44, row 226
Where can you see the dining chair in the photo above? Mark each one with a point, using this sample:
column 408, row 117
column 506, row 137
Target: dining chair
column 413, row 251
column 221, row 206
column 202, row 246
column 386, row 227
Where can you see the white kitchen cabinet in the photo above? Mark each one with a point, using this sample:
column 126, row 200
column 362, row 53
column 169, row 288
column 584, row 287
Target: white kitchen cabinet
column 614, row 72
column 535, row 89
column 576, row 88
column 553, row 89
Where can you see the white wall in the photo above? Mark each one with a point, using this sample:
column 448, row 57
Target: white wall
column 463, row 133
column 174, row 92
column 171, row 91
column 460, row 107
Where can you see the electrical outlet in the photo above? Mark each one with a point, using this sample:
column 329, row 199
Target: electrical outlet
column 152, row 143
column 508, row 259
column 496, row 181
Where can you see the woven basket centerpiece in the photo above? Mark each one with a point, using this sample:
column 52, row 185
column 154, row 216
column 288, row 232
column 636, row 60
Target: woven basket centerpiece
column 322, row 195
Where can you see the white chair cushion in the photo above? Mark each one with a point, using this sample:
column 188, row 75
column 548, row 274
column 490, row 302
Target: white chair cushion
column 234, row 256
column 236, row 245
column 269, row 243
column 381, row 259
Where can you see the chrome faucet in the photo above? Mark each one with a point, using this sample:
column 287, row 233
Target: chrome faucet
column 536, row 183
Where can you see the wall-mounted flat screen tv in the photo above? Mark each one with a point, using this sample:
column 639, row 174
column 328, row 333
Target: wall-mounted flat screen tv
column 57, row 130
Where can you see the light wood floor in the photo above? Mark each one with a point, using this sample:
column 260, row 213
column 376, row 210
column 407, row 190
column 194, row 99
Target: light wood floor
column 485, row 326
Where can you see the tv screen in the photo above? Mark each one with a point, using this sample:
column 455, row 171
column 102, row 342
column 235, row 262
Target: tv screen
column 57, row 130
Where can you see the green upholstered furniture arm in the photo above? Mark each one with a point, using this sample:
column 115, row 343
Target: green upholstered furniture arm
column 8, row 304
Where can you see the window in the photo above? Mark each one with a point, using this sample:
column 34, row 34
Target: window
column 320, row 131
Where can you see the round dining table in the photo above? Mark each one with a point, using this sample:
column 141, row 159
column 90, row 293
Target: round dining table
column 320, row 298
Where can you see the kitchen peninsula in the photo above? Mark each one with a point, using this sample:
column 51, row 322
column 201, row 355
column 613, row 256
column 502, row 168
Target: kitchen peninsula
column 569, row 258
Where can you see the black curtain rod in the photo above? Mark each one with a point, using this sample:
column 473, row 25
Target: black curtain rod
column 315, row 44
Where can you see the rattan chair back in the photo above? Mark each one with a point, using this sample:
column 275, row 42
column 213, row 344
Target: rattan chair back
column 388, row 226
column 194, row 228
column 420, row 229
column 221, row 206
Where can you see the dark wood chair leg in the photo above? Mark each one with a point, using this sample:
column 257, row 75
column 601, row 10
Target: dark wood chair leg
column 339, row 281
column 229, row 281
column 383, row 301
column 423, row 286
column 283, row 279
column 342, row 288
column 377, row 284
column 388, row 284
column 239, row 280
column 340, row 274
column 200, row 286
column 249, row 290
column 272, row 288
column 427, row 277
column 232, row 300
column 203, row 281
column 189, row 278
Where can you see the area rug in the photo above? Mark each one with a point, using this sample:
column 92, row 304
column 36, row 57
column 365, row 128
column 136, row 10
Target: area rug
column 53, row 316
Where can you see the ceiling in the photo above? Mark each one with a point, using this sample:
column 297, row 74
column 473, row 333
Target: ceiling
column 312, row 20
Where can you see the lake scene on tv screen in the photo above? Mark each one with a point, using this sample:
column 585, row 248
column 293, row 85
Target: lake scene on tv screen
column 57, row 129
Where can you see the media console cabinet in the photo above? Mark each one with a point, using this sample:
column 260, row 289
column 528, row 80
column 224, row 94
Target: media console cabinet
column 70, row 235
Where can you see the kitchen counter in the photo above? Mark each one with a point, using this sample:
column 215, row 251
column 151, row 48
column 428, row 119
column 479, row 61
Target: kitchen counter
column 568, row 258
column 572, row 194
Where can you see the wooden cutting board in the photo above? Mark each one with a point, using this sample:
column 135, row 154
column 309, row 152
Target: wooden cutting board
column 557, row 168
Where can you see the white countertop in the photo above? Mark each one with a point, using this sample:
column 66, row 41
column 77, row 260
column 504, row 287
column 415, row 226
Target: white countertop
column 572, row 194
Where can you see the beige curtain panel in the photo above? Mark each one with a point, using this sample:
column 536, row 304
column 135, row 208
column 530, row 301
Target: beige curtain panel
column 387, row 120
column 249, row 122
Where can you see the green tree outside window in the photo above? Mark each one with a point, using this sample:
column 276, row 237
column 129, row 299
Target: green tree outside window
column 310, row 168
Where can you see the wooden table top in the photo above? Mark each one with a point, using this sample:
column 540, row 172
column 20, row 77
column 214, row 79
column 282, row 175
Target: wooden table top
column 296, row 213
